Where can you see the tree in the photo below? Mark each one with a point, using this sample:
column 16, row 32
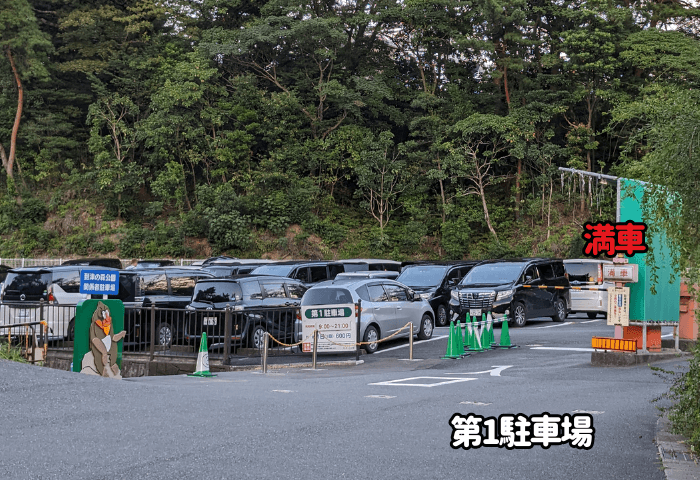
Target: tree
column 480, row 145
column 381, row 177
column 24, row 46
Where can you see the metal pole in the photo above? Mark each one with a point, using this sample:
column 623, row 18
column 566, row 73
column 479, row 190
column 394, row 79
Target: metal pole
column 358, row 317
column 410, row 343
column 313, row 362
column 676, row 335
column 264, row 353
column 644, row 338
column 153, row 330
column 227, row 337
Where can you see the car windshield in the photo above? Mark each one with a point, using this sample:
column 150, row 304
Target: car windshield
column 493, row 274
column 280, row 270
column 422, row 276
column 326, row 296
column 216, row 292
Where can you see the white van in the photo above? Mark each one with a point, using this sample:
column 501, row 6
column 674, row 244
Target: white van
column 587, row 273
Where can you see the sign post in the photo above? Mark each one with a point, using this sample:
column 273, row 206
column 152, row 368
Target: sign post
column 335, row 325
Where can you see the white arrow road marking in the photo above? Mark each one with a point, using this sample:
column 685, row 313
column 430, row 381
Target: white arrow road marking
column 552, row 326
column 414, row 344
column 591, row 321
column 495, row 372
column 572, row 349
column 447, row 381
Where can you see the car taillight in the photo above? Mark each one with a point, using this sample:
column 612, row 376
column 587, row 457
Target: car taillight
column 600, row 274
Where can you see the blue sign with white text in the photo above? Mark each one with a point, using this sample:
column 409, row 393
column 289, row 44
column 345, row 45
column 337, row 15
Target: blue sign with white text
column 101, row 282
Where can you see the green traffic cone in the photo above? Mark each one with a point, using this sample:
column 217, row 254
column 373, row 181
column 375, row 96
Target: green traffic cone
column 489, row 323
column 451, row 340
column 459, row 344
column 475, row 341
column 202, row 369
column 467, row 333
column 484, row 333
column 505, row 335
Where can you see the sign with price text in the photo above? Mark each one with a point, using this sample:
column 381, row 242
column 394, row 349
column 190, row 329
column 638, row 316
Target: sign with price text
column 336, row 325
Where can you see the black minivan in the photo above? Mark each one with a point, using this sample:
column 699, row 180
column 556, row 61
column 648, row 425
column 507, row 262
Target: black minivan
column 433, row 281
column 498, row 286
column 260, row 304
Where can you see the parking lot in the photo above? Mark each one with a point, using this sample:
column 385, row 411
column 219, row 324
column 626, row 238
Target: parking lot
column 387, row 417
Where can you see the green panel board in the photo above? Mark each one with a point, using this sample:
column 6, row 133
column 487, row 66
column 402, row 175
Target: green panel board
column 83, row 323
column 665, row 305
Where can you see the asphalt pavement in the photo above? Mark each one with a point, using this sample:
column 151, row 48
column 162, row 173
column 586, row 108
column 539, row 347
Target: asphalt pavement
column 385, row 418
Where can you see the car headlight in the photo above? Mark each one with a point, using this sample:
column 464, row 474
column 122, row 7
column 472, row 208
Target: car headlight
column 504, row 294
column 455, row 295
column 425, row 296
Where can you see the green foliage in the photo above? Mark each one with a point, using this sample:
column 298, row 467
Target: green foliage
column 230, row 231
column 685, row 393
column 11, row 352
column 457, row 238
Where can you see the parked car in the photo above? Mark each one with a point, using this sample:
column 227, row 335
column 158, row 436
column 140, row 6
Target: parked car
column 251, row 297
column 3, row 272
column 498, row 286
column 231, row 267
column 169, row 289
column 363, row 264
column 387, row 306
column 58, row 287
column 101, row 262
column 151, row 264
column 588, row 273
column 306, row 272
column 391, row 275
column 433, row 283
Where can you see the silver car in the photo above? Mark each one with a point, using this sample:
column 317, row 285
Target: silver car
column 593, row 296
column 386, row 307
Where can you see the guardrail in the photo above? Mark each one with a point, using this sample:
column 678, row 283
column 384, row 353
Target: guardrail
column 32, row 346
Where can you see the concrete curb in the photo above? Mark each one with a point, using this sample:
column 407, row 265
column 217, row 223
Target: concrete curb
column 678, row 462
column 628, row 359
column 279, row 366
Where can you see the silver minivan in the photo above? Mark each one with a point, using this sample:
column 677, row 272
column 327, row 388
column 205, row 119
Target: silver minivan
column 386, row 307
column 587, row 273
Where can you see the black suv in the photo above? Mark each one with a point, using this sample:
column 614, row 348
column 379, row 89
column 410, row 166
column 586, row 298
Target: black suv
column 307, row 273
column 101, row 262
column 433, row 283
column 170, row 290
column 499, row 285
column 252, row 300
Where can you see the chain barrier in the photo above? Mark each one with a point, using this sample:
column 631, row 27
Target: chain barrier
column 544, row 287
column 321, row 335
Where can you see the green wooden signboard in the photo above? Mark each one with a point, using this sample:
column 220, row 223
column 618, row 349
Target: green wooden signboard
column 99, row 331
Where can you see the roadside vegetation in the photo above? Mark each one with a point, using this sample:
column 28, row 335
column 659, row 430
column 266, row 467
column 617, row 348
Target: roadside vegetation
column 10, row 352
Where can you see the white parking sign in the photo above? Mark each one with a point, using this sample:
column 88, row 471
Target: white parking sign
column 336, row 325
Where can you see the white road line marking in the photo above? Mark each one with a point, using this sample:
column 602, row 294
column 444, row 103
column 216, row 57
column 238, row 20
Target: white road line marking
column 284, row 391
column 591, row 321
column 572, row 349
column 414, row 344
column 380, row 396
column 495, row 372
column 591, row 412
column 428, row 385
column 551, row 326
column 480, row 404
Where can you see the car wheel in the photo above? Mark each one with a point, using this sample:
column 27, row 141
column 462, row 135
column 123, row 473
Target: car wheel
column 441, row 316
column 559, row 310
column 519, row 315
column 592, row 315
column 164, row 335
column 255, row 340
column 426, row 327
column 71, row 331
column 371, row 336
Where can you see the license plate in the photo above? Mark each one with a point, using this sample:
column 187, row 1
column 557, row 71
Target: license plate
column 209, row 320
column 474, row 312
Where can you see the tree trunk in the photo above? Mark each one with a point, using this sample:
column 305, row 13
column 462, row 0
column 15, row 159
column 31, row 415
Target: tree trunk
column 486, row 212
column 9, row 161
column 517, row 190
